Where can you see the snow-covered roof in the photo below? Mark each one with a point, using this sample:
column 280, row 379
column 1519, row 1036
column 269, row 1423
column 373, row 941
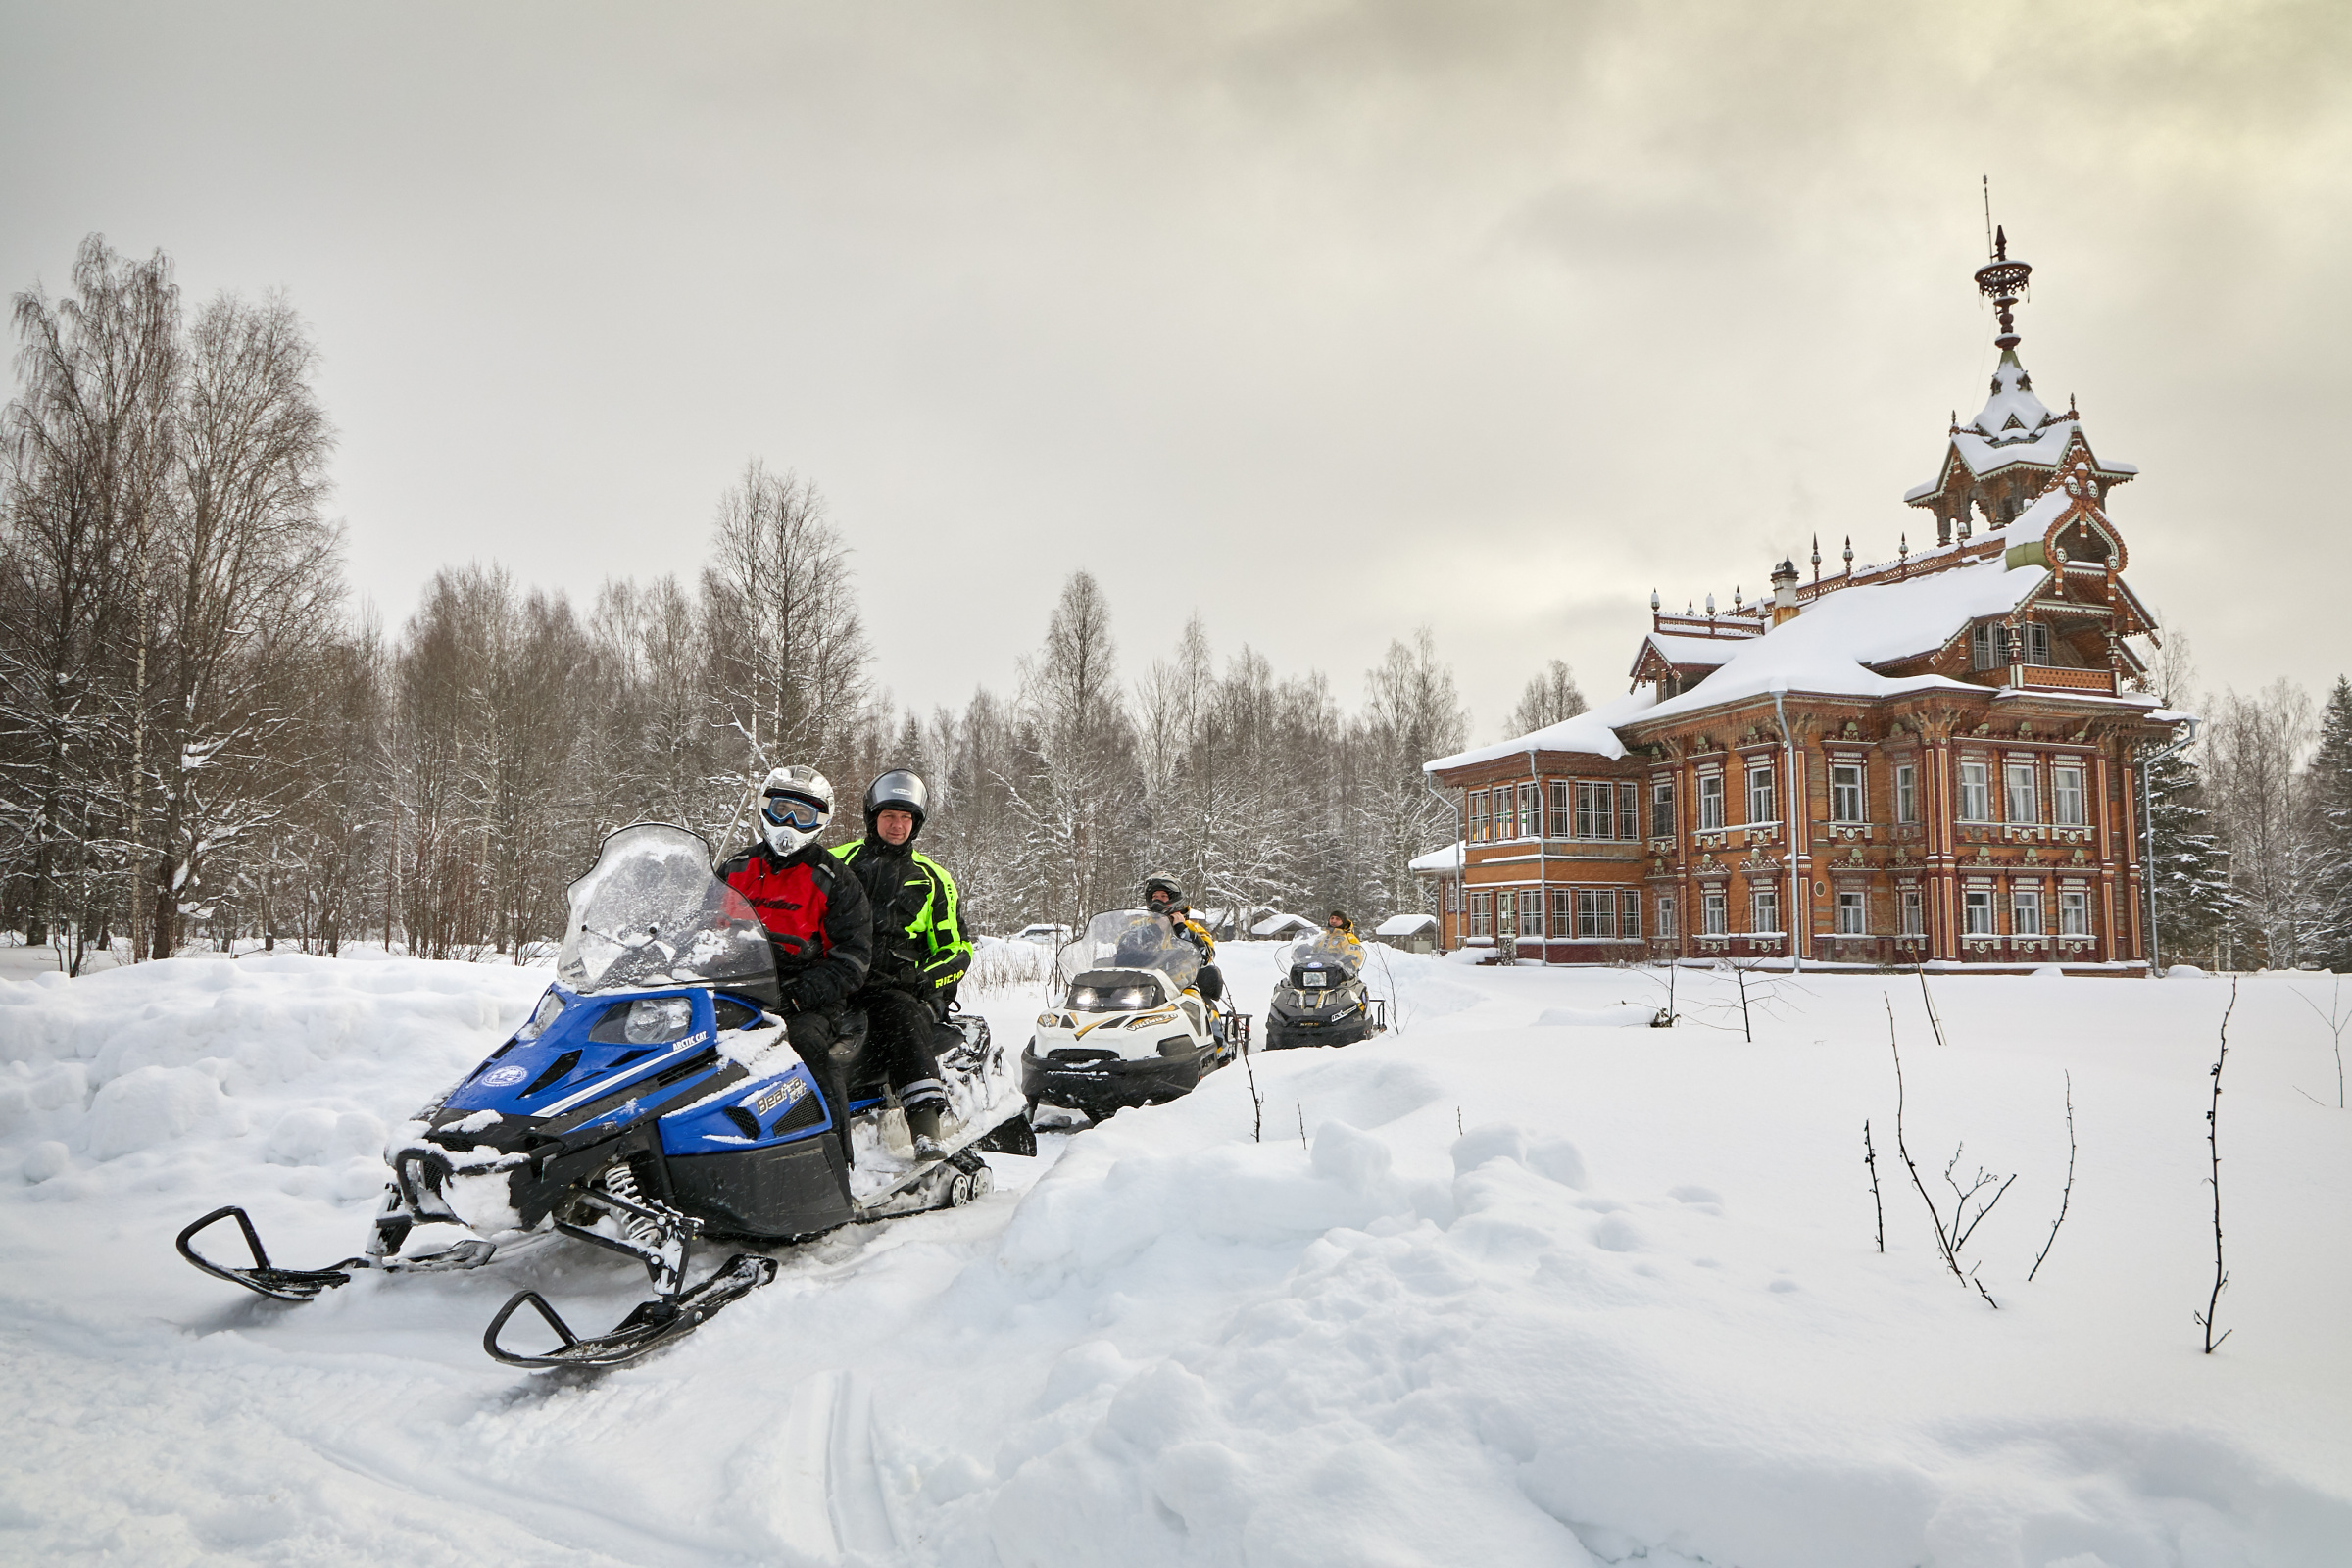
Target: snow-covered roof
column 1276, row 925
column 2014, row 427
column 1592, row 732
column 1828, row 648
column 1680, row 650
column 1406, row 925
column 1448, row 858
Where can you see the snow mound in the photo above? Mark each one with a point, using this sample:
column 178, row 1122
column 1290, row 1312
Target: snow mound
column 1624, row 1016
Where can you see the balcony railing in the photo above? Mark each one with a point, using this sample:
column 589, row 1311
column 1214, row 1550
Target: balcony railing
column 2059, row 678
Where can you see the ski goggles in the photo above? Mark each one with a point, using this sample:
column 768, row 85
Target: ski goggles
column 796, row 812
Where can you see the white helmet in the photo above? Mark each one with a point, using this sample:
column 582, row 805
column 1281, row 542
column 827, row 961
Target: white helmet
column 794, row 805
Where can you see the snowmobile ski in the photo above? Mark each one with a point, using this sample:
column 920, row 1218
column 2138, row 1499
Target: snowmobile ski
column 649, row 1326
column 264, row 1277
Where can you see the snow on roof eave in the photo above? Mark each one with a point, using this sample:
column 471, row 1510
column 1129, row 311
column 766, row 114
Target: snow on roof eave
column 1445, row 859
column 1592, row 733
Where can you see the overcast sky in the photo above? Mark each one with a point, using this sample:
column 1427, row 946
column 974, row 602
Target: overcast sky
column 1325, row 320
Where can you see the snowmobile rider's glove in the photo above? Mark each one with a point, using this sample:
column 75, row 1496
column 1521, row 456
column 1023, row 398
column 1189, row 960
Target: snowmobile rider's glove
column 946, row 969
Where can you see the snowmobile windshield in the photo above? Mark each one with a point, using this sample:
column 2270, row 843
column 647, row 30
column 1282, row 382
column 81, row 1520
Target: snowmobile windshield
column 1332, row 950
column 1137, row 938
column 650, row 913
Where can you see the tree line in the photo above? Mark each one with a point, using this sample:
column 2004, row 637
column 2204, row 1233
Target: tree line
column 199, row 740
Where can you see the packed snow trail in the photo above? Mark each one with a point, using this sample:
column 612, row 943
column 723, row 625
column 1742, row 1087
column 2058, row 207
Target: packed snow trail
column 1538, row 1290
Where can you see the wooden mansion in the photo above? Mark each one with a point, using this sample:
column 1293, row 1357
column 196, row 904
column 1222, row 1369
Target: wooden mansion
column 1931, row 759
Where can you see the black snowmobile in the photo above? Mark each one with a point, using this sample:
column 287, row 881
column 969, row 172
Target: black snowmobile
column 1134, row 1028
column 651, row 1099
column 1322, row 1000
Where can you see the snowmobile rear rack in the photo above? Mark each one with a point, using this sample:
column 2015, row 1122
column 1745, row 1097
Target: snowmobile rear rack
column 279, row 1284
column 649, row 1326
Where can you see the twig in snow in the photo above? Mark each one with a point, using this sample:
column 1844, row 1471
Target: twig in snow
column 1943, row 1243
column 1982, row 1290
column 1302, row 1143
column 1869, row 1157
column 2337, row 1020
column 1457, row 1121
column 2213, row 1140
column 2067, row 1197
column 1934, row 1022
column 1257, row 1104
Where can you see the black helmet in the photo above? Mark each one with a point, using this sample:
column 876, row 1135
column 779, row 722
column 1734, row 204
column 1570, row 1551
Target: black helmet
column 898, row 790
column 1166, row 885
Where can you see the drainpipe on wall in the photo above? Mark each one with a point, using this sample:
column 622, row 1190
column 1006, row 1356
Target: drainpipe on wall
column 2147, row 827
column 1796, row 881
column 1543, row 878
column 1461, row 852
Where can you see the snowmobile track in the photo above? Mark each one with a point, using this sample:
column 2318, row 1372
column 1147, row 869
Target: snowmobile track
column 831, row 1501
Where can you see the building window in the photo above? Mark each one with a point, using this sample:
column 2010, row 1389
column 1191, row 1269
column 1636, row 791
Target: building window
column 1764, row 910
column 1846, row 793
column 1762, row 804
column 1592, row 811
column 1563, row 914
column 1562, row 824
column 2017, row 793
column 1629, row 810
column 2025, row 911
column 1710, row 802
column 1531, row 916
column 1714, row 912
column 1985, row 650
column 1530, row 810
column 1453, row 896
column 1906, row 792
column 1975, row 792
column 2074, row 912
column 1661, row 808
column 1976, row 913
column 2066, row 805
column 1914, row 912
column 1629, row 915
column 1853, row 917
column 1595, row 912
column 1478, row 817
column 2037, row 642
column 1482, row 915
column 1666, row 925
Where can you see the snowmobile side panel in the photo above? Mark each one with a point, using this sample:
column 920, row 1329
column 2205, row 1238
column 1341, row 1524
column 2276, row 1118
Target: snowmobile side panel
column 795, row 1189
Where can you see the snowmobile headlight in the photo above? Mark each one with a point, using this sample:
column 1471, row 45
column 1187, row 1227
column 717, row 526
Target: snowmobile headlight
column 550, row 1008
column 1314, row 977
column 1111, row 999
column 654, row 1019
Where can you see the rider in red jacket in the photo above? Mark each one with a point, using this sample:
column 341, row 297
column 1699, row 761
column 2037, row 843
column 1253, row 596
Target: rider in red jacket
column 816, row 913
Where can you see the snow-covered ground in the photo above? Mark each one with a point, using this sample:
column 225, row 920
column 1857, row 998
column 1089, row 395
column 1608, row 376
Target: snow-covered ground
column 1534, row 1288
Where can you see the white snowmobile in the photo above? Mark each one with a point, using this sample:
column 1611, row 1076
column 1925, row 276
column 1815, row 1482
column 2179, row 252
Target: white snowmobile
column 1133, row 1029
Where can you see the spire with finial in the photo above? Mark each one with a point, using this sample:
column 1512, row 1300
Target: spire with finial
column 1817, row 558
column 1903, row 554
column 2001, row 280
column 1653, row 601
column 1736, row 604
column 1710, row 605
column 1849, row 555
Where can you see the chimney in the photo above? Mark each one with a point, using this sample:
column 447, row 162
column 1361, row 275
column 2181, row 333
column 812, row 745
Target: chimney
column 1783, row 592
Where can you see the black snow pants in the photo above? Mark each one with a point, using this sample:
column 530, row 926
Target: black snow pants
column 903, row 1028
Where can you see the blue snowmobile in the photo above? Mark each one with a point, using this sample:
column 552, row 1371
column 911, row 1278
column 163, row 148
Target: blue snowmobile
column 653, row 1099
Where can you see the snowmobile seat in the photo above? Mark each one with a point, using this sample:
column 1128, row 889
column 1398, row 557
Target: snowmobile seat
column 1211, row 983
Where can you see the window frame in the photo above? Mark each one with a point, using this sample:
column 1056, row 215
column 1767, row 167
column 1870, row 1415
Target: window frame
column 1906, row 792
column 1855, row 900
column 2011, row 774
column 2025, row 896
column 1628, row 914
column 1530, row 810
column 1911, row 911
column 1761, row 779
column 1596, row 914
column 1482, row 912
column 2074, row 912
column 1596, row 808
column 1531, row 913
column 1711, row 821
column 1563, row 820
column 1561, row 915
column 1846, row 793
column 2069, row 806
column 1664, row 918
column 1715, row 911
column 1974, row 901
column 1661, row 807
column 1978, row 789
column 1759, row 896
column 1629, row 812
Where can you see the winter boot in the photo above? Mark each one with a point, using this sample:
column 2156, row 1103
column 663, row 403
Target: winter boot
column 923, row 1122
